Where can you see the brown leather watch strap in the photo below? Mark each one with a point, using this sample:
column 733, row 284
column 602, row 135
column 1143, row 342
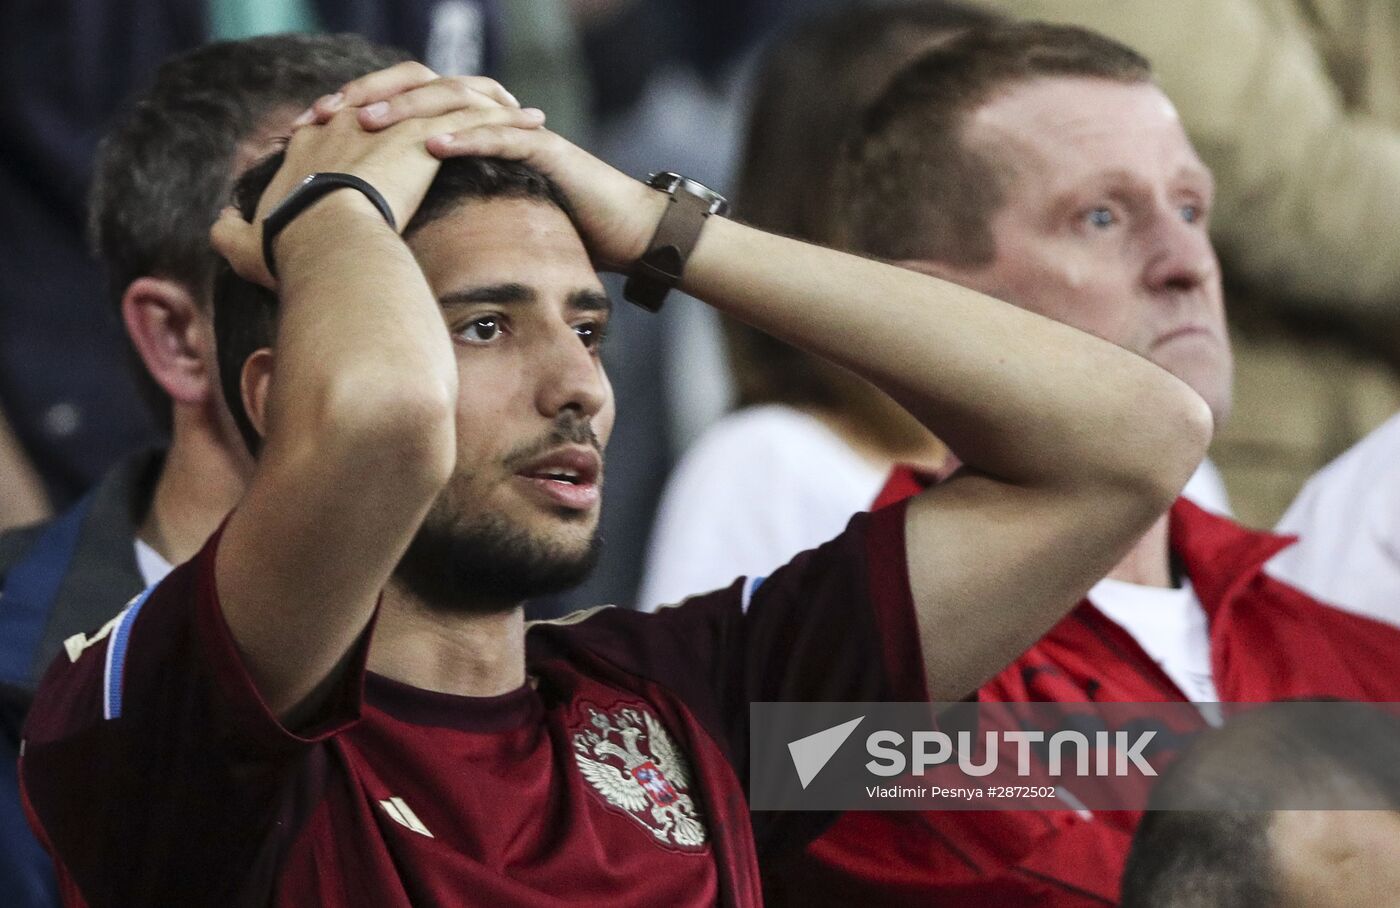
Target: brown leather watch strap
column 660, row 267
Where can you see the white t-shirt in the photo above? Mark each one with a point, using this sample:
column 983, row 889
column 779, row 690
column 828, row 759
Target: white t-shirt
column 1347, row 519
column 1170, row 625
column 151, row 564
column 758, row 487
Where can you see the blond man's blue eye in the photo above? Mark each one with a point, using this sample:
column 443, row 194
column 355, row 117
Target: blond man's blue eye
column 1101, row 217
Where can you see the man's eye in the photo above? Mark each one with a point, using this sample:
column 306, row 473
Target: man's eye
column 591, row 333
column 482, row 330
column 1101, row 217
column 1190, row 213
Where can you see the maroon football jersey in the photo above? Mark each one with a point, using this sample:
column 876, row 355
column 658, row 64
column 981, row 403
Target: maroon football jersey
column 157, row 776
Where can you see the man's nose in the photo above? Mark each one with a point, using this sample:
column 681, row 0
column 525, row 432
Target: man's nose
column 1181, row 256
column 571, row 377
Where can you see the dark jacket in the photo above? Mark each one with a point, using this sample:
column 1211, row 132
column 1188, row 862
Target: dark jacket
column 57, row 579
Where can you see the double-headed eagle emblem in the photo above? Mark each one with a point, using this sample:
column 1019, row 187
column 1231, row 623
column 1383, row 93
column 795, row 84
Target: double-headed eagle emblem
column 640, row 770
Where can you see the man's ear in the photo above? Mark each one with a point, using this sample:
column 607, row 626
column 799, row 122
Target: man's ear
column 172, row 335
column 254, row 382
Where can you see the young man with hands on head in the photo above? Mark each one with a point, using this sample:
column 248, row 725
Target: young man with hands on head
column 338, row 700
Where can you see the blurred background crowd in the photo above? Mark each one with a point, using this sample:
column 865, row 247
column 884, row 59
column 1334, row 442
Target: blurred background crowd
column 1294, row 105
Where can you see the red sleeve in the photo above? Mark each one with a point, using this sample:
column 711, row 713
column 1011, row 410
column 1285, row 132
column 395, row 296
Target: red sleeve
column 836, row 623
column 149, row 751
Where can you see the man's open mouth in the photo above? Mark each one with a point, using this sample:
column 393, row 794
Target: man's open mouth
column 567, row 477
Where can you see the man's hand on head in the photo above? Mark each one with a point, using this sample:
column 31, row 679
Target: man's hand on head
column 405, row 91
column 391, row 156
column 616, row 214
column 391, row 127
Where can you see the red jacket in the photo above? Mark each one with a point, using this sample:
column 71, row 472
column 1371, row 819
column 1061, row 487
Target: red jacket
column 1268, row 642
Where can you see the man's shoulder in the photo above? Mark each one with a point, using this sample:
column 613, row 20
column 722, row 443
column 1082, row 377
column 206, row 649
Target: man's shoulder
column 581, row 631
column 1361, row 480
column 112, row 508
column 15, row 542
column 1217, row 550
column 1238, row 570
column 73, row 573
column 652, row 645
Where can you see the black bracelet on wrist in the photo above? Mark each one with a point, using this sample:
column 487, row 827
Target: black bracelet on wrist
column 307, row 192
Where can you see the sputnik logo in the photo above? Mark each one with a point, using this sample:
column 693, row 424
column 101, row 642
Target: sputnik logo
column 813, row 752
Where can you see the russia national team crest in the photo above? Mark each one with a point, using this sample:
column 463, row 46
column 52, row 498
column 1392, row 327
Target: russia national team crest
column 633, row 763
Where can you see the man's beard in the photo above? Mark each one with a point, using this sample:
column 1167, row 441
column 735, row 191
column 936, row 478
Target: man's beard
column 487, row 563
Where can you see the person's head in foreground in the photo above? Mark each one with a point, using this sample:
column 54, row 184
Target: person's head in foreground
column 1042, row 165
column 1294, row 804
column 526, row 313
column 162, row 174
